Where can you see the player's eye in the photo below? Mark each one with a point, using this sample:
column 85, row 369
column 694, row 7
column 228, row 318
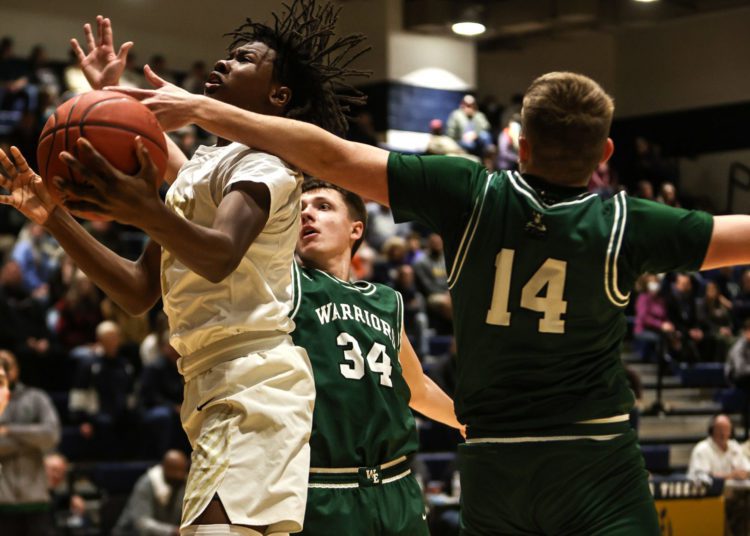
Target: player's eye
column 325, row 206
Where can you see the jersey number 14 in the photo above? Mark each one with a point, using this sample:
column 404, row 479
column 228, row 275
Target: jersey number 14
column 354, row 368
column 551, row 274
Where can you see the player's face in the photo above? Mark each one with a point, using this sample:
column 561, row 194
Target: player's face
column 245, row 79
column 327, row 230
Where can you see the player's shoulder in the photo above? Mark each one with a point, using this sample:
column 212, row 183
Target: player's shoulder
column 240, row 152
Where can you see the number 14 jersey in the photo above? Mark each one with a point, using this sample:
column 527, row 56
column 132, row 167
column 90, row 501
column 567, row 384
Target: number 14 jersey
column 540, row 276
column 352, row 334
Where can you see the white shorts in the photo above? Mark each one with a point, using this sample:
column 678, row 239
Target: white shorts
column 248, row 421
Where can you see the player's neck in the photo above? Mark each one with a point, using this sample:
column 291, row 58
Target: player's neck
column 338, row 266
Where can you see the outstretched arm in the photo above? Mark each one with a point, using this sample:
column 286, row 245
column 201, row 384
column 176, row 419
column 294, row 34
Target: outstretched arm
column 135, row 286
column 426, row 397
column 730, row 242
column 103, row 67
column 354, row 166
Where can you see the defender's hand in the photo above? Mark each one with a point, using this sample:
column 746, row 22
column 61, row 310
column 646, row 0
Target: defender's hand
column 173, row 106
column 108, row 191
column 27, row 192
column 101, row 66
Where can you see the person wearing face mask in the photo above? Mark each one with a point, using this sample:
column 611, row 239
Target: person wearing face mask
column 29, row 427
column 155, row 506
column 651, row 322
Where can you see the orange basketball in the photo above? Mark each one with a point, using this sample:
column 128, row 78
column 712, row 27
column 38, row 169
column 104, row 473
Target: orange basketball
column 110, row 121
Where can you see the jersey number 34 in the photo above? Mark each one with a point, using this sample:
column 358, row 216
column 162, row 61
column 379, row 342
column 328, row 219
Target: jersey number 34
column 551, row 274
column 354, row 368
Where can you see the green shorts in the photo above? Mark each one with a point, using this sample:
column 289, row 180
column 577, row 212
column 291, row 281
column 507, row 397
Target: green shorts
column 596, row 488
column 391, row 505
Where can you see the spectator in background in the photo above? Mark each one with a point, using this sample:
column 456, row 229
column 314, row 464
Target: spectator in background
column 715, row 317
column 69, row 515
column 741, row 302
column 196, row 78
column 430, row 272
column 155, row 506
column 645, row 190
column 381, row 226
column 393, row 256
column 101, row 398
column 40, row 73
column 737, row 366
column 75, row 80
column 683, row 314
column 160, row 399
column 469, row 127
column 363, row 263
column 28, row 428
column 78, row 313
column 721, row 456
column 132, row 76
column 604, row 181
column 507, row 144
column 668, row 195
column 36, row 254
column 651, row 322
column 4, row 388
column 439, row 143
column 414, row 304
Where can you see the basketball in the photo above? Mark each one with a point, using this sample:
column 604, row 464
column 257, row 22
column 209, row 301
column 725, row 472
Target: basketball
column 110, row 121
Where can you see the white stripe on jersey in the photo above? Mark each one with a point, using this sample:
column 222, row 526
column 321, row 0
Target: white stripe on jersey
column 613, row 253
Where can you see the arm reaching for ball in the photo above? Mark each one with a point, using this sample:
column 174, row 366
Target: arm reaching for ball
column 103, row 67
column 135, row 286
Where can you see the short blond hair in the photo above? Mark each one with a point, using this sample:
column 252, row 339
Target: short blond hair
column 566, row 119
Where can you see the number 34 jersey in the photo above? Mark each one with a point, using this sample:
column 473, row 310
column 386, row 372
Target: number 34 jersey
column 352, row 333
column 540, row 276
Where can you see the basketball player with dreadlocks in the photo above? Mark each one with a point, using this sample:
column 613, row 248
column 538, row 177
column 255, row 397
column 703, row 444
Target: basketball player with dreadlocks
column 221, row 254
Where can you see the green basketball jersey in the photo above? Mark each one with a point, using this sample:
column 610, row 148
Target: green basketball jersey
column 539, row 278
column 352, row 333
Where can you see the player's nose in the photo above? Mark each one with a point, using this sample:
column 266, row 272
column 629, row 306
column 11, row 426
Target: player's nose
column 222, row 66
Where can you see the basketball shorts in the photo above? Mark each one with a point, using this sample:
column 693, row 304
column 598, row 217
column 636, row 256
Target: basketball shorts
column 375, row 501
column 583, row 486
column 248, row 421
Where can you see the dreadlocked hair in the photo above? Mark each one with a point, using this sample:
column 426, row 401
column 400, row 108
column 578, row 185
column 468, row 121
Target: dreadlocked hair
column 311, row 60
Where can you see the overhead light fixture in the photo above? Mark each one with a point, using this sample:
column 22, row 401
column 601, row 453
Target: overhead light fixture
column 468, row 28
column 646, row 1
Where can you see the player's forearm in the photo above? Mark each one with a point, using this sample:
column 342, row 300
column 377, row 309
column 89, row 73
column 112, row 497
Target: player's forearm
column 176, row 159
column 354, row 166
column 210, row 253
column 730, row 242
column 122, row 280
column 431, row 401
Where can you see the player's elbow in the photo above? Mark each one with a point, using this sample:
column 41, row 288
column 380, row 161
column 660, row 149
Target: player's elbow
column 221, row 269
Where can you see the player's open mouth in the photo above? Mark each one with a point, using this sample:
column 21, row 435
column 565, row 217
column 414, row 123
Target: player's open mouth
column 308, row 232
column 213, row 81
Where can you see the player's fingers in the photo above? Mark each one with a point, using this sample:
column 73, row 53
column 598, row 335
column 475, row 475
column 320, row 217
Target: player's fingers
column 122, row 54
column 99, row 29
column 90, row 43
column 80, row 54
column 86, row 173
column 21, row 164
column 6, row 200
column 153, row 78
column 78, row 191
column 134, row 92
column 8, row 169
column 148, row 167
column 93, row 159
column 79, row 208
column 107, row 38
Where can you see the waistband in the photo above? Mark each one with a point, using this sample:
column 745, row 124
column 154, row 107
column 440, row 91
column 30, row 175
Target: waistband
column 355, row 477
column 603, row 429
column 230, row 348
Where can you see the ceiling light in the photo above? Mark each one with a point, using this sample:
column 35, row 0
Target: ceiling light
column 646, row 1
column 468, row 28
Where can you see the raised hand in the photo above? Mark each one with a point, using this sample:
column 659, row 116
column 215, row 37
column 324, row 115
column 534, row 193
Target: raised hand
column 106, row 190
column 28, row 194
column 101, row 66
column 172, row 105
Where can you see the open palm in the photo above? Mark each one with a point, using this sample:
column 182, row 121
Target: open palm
column 27, row 192
column 101, row 66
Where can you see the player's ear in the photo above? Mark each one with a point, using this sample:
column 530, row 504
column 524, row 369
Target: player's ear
column 609, row 148
column 524, row 151
column 358, row 229
column 280, row 96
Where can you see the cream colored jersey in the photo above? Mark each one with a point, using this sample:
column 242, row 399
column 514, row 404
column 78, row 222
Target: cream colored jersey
column 254, row 301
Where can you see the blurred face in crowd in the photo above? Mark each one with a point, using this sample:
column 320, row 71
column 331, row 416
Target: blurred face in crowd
column 682, row 284
column 652, row 284
column 12, row 366
column 4, row 389
column 668, row 192
column 108, row 335
column 175, row 466
column 722, row 431
column 746, row 281
column 327, row 228
column 435, row 243
column 55, row 466
column 712, row 291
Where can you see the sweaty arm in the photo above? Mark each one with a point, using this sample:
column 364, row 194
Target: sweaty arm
column 730, row 242
column 426, row 397
column 354, row 166
column 214, row 252
column 134, row 286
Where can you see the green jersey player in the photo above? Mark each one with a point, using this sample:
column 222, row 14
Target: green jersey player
column 366, row 377
column 540, row 275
